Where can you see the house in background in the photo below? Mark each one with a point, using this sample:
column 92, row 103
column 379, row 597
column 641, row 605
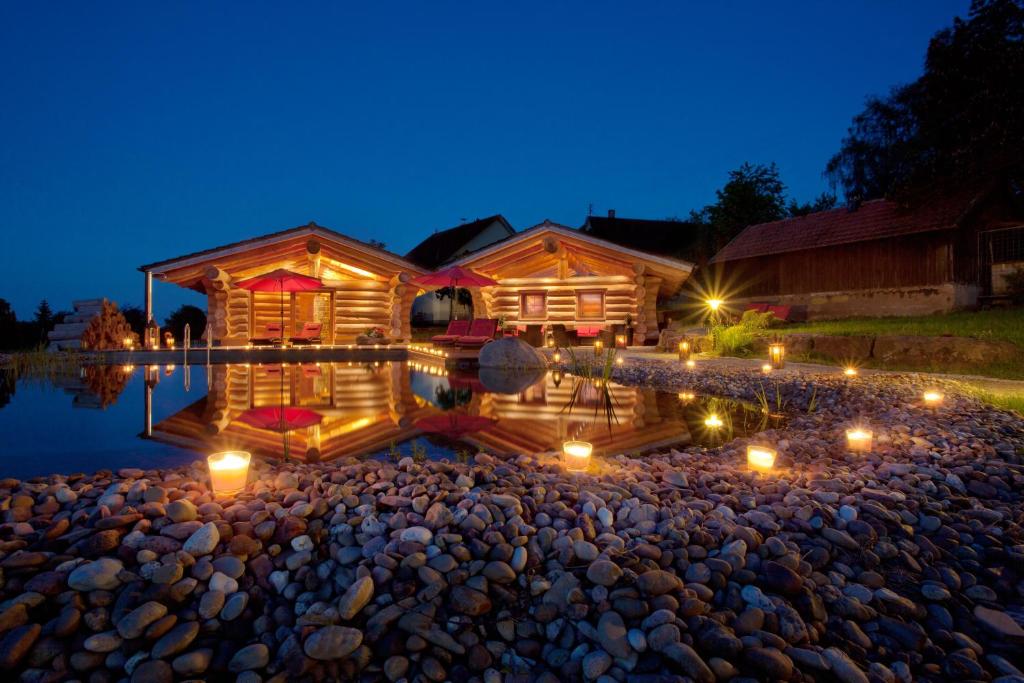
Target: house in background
column 445, row 246
column 673, row 238
column 553, row 278
column 880, row 258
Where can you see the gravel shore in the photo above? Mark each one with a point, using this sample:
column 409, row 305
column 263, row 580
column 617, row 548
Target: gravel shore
column 899, row 565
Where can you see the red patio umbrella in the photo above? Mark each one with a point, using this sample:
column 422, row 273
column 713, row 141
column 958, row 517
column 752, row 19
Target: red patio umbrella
column 281, row 280
column 453, row 425
column 280, row 418
column 454, row 277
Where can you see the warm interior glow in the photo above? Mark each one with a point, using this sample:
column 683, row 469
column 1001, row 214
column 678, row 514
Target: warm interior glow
column 713, row 421
column 859, row 439
column 229, row 471
column 577, row 455
column 932, row 398
column 850, row 372
column 760, row 458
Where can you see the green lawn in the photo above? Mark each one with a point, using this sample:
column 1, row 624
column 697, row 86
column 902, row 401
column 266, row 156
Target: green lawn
column 1005, row 324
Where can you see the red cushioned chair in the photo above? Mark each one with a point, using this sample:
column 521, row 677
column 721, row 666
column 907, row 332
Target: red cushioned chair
column 310, row 334
column 272, row 333
column 456, row 329
column 481, row 331
column 781, row 312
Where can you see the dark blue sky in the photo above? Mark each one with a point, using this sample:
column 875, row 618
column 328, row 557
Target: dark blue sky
column 140, row 131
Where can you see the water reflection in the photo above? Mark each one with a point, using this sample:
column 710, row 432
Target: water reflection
column 331, row 410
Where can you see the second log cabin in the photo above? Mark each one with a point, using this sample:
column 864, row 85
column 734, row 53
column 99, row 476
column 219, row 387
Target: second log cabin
column 552, row 274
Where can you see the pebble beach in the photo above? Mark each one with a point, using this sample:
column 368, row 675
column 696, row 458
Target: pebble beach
column 902, row 564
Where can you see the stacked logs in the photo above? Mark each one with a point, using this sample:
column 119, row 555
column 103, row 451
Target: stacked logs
column 96, row 325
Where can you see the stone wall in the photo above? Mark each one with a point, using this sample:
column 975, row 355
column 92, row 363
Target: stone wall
column 898, row 301
column 905, row 352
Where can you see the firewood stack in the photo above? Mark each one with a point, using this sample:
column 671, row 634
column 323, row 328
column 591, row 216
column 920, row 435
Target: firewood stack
column 96, row 325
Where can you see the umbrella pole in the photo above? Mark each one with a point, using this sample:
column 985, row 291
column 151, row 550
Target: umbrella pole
column 282, row 315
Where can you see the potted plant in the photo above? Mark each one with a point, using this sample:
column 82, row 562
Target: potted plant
column 373, row 335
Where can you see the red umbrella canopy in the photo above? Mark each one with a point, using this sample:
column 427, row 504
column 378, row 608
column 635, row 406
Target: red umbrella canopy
column 280, row 418
column 454, row 276
column 453, row 425
column 281, row 280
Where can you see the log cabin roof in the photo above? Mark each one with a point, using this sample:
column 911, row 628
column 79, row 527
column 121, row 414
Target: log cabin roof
column 517, row 255
column 443, row 245
column 872, row 220
column 281, row 248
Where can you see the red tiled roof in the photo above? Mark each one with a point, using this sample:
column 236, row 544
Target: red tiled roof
column 872, row 220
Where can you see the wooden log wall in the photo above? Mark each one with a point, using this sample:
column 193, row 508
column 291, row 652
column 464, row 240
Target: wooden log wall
column 621, row 297
column 358, row 305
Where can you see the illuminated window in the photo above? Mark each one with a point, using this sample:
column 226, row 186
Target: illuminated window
column 532, row 305
column 590, row 305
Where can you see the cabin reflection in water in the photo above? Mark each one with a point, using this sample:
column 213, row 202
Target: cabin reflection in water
column 331, row 410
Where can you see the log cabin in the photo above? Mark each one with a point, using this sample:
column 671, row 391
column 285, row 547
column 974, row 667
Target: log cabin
column 363, row 286
column 552, row 274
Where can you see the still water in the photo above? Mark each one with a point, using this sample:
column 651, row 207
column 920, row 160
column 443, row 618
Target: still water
column 161, row 416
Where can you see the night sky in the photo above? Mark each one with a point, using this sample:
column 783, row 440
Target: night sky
column 135, row 132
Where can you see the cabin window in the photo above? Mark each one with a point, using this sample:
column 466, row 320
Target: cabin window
column 532, row 306
column 590, row 305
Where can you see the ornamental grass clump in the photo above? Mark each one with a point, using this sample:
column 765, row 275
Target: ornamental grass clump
column 739, row 338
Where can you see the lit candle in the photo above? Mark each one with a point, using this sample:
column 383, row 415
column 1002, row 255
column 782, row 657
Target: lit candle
column 551, row 341
column 229, row 471
column 850, row 372
column 691, row 364
column 557, row 356
column 577, row 455
column 713, row 421
column 620, row 360
column 684, row 350
column 686, row 396
column 777, row 355
column 932, row 399
column 598, row 345
column 766, row 368
column 760, row 458
column 556, row 377
column 858, row 440
column 620, row 341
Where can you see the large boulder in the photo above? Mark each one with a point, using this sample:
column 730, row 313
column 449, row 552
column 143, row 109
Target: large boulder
column 511, row 352
column 510, row 380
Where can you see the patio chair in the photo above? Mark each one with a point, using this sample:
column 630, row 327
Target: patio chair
column 481, row 331
column 587, row 335
column 456, row 329
column 272, row 334
column 310, row 334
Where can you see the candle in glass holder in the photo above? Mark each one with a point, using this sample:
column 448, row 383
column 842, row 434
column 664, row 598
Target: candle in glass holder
column 713, row 421
column 858, row 440
column 620, row 341
column 684, row 350
column 932, row 399
column 229, row 471
column 557, row 356
column 550, row 341
column 761, row 458
column 577, row 455
column 777, row 355
column 598, row 346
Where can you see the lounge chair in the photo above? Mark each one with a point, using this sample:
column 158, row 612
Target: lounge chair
column 272, row 333
column 588, row 332
column 481, row 331
column 456, row 329
column 310, row 334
